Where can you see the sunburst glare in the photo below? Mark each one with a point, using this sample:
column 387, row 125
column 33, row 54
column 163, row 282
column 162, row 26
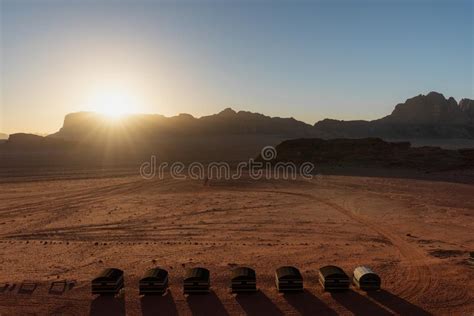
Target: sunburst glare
column 113, row 104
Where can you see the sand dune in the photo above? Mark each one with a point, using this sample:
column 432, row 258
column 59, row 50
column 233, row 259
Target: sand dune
column 415, row 234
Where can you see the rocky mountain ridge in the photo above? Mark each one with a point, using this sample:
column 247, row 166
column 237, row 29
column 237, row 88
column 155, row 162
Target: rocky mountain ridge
column 423, row 116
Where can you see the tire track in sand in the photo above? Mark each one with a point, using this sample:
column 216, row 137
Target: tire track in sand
column 423, row 277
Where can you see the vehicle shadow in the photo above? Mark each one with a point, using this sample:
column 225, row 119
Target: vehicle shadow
column 257, row 304
column 108, row 305
column 4, row 287
column 27, row 287
column 397, row 304
column 308, row 304
column 158, row 305
column 57, row 288
column 358, row 304
column 206, row 304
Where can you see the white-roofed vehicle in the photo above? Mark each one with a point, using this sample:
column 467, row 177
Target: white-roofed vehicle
column 366, row 279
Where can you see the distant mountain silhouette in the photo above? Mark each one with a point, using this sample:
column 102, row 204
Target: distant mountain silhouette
column 424, row 116
column 433, row 108
column 87, row 138
column 31, row 142
column 467, row 106
column 89, row 126
column 372, row 152
column 25, row 138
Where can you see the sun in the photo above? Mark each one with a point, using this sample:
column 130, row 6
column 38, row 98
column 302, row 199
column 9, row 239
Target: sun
column 113, row 104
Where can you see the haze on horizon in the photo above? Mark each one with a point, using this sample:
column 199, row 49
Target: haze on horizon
column 308, row 60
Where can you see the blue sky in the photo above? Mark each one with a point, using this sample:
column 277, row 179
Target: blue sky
column 308, row 60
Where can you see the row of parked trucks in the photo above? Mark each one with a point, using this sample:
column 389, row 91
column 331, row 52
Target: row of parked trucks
column 243, row 279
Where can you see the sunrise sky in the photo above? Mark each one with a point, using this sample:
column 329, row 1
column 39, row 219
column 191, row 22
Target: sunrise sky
column 309, row 60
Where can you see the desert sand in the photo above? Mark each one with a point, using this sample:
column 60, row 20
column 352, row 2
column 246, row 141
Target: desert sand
column 415, row 233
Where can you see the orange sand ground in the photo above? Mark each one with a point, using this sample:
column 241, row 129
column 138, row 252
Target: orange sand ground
column 415, row 234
